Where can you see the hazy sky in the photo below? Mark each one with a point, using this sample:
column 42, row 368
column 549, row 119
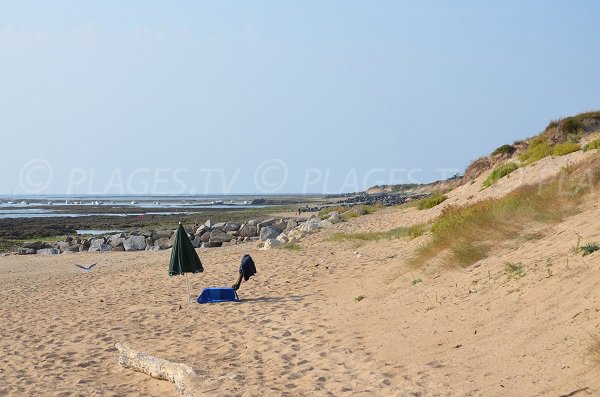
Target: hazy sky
column 279, row 96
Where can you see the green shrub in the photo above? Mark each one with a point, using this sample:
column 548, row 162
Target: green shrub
column 564, row 148
column 538, row 149
column 595, row 144
column 589, row 248
column 504, row 149
column 432, row 201
column 499, row 172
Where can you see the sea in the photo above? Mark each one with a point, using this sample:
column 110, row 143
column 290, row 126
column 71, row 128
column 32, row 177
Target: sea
column 48, row 206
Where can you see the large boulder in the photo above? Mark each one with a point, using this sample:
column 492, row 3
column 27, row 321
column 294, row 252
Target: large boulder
column 158, row 234
column 247, row 230
column 135, row 243
column 269, row 232
column 231, row 227
column 209, row 224
column 196, row 242
column 218, row 237
column 220, row 225
column 201, row 230
column 95, row 244
column 48, row 251
column 310, row 226
column 25, row 251
column 334, row 217
column 290, row 225
column 116, row 240
column 163, row 243
column 265, row 223
column 271, row 243
column 205, row 238
column 36, row 245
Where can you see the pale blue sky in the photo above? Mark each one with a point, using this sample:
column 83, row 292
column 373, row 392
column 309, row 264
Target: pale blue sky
column 155, row 96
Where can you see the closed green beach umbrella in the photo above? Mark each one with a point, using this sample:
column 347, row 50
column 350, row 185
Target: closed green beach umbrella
column 184, row 258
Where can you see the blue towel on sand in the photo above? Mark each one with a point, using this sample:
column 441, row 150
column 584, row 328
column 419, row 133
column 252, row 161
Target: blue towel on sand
column 218, row 294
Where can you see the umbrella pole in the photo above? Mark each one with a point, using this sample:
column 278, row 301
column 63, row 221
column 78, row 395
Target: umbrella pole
column 188, row 288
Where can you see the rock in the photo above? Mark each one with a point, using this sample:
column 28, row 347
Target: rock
column 325, row 223
column 149, row 242
column 247, row 230
column 266, row 223
column 36, row 245
column 95, row 244
column 231, row 227
column 335, row 217
column 153, row 248
column 280, row 224
column 105, row 247
column 297, row 234
column 290, row 225
column 48, row 251
column 218, row 237
column 70, row 248
column 220, row 225
column 205, row 238
column 161, row 234
column 196, row 242
column 25, row 251
column 201, row 230
column 163, row 243
column 310, row 226
column 116, row 239
column 209, row 224
column 282, row 238
column 252, row 222
column 269, row 232
column 135, row 243
column 271, row 243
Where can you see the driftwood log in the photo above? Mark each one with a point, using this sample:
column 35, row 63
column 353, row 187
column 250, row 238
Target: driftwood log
column 184, row 377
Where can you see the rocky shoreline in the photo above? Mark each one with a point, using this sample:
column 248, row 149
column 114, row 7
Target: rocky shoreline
column 269, row 233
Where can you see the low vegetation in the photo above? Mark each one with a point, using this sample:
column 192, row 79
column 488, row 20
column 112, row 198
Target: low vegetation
column 432, row 201
column 595, row 144
column 394, row 234
column 589, row 248
column 564, row 148
column 467, row 234
column 499, row 172
column 538, row 149
column 504, row 149
column 514, row 270
column 359, row 298
column 290, row 247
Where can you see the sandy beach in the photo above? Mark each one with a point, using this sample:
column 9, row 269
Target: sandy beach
column 330, row 319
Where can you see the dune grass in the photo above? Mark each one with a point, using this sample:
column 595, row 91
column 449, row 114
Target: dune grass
column 595, row 144
column 499, row 172
column 469, row 233
column 504, row 149
column 393, row 234
column 538, row 149
column 564, row 148
column 432, row 201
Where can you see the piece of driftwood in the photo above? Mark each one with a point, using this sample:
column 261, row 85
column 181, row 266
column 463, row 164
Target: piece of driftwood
column 184, row 377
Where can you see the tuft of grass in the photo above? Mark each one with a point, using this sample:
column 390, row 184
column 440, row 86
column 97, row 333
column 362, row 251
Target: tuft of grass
column 290, row 247
column 538, row 149
column 394, row 234
column 416, row 281
column 359, row 298
column 469, row 233
column 432, row 201
column 504, row 149
column 499, row 172
column 564, row 148
column 361, row 210
column 514, row 270
column 595, row 144
column 589, row 248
